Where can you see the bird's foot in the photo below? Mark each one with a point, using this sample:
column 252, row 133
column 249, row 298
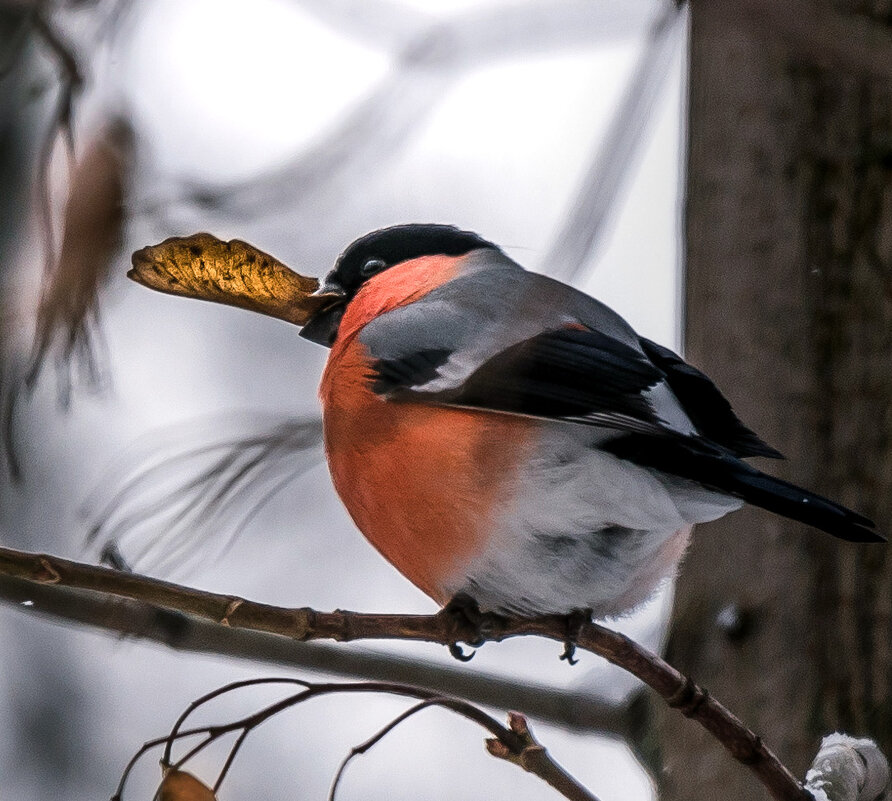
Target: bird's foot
column 456, row 650
column 575, row 621
column 474, row 626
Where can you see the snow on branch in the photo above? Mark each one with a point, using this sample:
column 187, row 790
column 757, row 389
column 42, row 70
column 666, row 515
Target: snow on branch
column 849, row 769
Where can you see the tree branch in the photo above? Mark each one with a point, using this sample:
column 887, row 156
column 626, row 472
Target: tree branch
column 304, row 624
column 115, row 615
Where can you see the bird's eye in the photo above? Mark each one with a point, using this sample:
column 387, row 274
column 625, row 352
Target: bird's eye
column 371, row 267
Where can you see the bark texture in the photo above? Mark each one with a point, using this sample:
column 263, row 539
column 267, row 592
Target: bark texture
column 789, row 309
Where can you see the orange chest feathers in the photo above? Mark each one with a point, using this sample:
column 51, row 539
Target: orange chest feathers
column 424, row 484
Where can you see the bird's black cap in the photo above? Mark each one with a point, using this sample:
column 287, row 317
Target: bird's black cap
column 376, row 252
column 398, row 244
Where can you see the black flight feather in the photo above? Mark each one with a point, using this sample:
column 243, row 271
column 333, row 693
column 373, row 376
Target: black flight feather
column 718, row 468
column 707, row 408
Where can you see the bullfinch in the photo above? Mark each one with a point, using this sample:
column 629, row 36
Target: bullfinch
column 500, row 436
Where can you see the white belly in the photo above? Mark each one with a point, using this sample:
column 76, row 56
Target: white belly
column 586, row 530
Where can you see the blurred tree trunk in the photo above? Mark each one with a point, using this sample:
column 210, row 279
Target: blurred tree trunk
column 789, row 309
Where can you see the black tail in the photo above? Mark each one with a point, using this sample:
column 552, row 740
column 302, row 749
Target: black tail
column 715, row 467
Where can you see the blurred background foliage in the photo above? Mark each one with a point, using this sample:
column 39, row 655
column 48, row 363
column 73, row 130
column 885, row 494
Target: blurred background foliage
column 183, row 438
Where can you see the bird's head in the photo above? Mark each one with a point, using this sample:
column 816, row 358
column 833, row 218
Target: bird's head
column 371, row 255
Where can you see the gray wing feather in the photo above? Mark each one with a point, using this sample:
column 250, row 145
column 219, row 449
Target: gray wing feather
column 469, row 323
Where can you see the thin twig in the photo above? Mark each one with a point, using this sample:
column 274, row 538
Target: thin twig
column 514, row 743
column 376, row 738
column 72, row 79
column 199, row 702
column 586, row 222
column 527, row 753
column 306, row 624
column 158, row 529
column 535, row 759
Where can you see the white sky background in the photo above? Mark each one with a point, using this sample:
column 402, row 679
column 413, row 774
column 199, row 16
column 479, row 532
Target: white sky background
column 220, row 90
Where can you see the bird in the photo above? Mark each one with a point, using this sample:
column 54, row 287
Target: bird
column 500, row 436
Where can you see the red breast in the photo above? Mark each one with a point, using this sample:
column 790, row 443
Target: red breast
column 423, row 483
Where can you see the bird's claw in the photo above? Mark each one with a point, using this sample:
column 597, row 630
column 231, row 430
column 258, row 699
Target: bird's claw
column 456, row 650
column 472, row 624
column 575, row 621
column 569, row 654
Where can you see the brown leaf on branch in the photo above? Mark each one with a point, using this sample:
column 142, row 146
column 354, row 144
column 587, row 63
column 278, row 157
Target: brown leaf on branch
column 181, row 786
column 234, row 273
column 91, row 238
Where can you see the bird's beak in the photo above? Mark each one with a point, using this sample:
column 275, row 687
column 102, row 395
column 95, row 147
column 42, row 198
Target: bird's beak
column 322, row 327
column 330, row 289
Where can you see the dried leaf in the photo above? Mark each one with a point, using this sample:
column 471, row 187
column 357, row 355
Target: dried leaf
column 181, row 786
column 92, row 234
column 234, row 273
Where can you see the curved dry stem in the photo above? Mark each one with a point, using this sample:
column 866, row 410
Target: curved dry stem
column 228, row 688
column 514, row 743
column 379, row 735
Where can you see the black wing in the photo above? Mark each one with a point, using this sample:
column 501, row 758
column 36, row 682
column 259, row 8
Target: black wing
column 569, row 373
column 582, row 375
column 708, row 409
